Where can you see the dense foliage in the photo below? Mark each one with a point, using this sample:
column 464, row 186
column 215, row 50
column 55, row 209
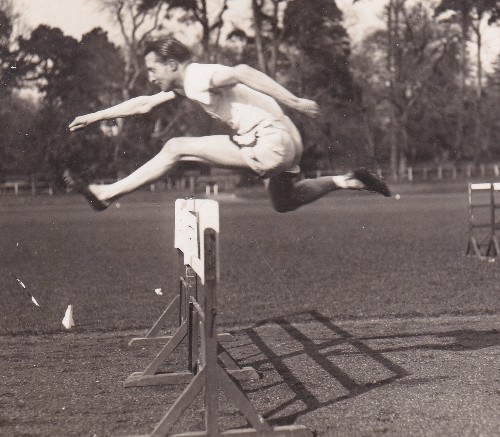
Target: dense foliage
column 405, row 94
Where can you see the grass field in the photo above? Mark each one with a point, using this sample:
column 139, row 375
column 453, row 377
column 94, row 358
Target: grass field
column 333, row 305
column 349, row 255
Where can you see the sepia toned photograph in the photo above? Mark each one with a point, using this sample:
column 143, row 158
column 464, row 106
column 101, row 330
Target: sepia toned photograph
column 269, row 218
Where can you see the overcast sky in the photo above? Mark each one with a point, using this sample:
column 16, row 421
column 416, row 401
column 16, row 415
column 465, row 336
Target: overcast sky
column 76, row 17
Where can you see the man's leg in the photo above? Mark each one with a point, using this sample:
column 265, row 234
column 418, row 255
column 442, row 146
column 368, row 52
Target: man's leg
column 218, row 150
column 288, row 194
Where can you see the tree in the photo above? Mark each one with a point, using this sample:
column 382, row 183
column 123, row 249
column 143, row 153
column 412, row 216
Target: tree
column 53, row 61
column 18, row 116
column 208, row 14
column 469, row 14
column 304, row 45
column 269, row 32
column 183, row 117
column 298, row 28
column 9, row 78
column 73, row 77
column 408, row 78
column 315, row 29
column 5, row 54
column 491, row 105
column 317, row 51
column 19, row 153
column 136, row 26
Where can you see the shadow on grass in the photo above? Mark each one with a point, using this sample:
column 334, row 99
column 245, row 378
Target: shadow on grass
column 335, row 343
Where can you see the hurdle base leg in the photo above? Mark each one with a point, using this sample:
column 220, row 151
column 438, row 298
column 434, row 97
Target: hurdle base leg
column 224, row 337
column 244, row 373
column 139, row 379
column 145, row 341
column 151, row 377
column 473, row 249
column 279, row 431
column 493, row 248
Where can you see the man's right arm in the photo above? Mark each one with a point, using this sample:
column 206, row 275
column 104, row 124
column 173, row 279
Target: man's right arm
column 263, row 83
column 135, row 106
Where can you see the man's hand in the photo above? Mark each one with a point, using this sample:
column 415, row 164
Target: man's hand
column 82, row 122
column 306, row 106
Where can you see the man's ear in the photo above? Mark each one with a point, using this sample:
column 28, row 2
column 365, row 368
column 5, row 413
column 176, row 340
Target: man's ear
column 174, row 65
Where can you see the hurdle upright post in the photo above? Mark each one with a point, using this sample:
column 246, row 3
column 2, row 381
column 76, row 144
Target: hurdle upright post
column 493, row 250
column 472, row 246
column 210, row 339
column 192, row 320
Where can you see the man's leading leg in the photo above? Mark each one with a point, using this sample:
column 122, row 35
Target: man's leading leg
column 217, row 150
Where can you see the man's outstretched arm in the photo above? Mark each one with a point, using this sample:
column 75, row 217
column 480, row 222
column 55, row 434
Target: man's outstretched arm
column 137, row 105
column 263, row 83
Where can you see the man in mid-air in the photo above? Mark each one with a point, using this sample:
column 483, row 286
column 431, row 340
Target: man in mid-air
column 265, row 140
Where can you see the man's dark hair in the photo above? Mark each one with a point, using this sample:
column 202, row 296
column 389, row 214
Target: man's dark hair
column 167, row 47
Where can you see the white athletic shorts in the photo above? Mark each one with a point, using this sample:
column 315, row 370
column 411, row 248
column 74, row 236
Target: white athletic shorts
column 272, row 147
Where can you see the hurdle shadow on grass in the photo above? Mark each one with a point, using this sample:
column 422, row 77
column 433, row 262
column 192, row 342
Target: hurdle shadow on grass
column 321, row 353
column 458, row 340
column 337, row 344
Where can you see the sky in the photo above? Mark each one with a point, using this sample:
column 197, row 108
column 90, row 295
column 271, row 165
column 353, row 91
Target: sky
column 76, row 17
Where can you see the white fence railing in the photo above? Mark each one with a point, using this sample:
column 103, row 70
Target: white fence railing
column 431, row 172
column 228, row 182
column 191, row 183
column 17, row 187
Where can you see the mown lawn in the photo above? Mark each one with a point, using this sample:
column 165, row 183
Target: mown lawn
column 348, row 255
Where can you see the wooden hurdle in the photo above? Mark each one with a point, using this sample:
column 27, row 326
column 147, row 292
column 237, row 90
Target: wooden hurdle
column 487, row 248
column 188, row 227
column 196, row 235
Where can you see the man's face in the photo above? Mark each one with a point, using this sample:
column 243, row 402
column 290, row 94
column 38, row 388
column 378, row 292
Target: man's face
column 159, row 73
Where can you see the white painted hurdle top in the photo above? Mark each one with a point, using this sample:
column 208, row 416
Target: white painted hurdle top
column 485, row 186
column 192, row 218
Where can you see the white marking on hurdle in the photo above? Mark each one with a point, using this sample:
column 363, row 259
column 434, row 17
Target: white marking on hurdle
column 190, row 225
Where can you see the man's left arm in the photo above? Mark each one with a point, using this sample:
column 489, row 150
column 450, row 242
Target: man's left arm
column 263, row 83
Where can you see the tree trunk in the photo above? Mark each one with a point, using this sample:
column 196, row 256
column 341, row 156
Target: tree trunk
column 370, row 148
column 459, row 140
column 276, row 41
column 393, row 150
column 403, row 148
column 258, row 36
column 481, row 148
column 392, row 68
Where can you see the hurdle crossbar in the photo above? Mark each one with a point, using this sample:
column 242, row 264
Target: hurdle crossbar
column 190, row 225
column 485, row 186
column 489, row 247
column 211, row 377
